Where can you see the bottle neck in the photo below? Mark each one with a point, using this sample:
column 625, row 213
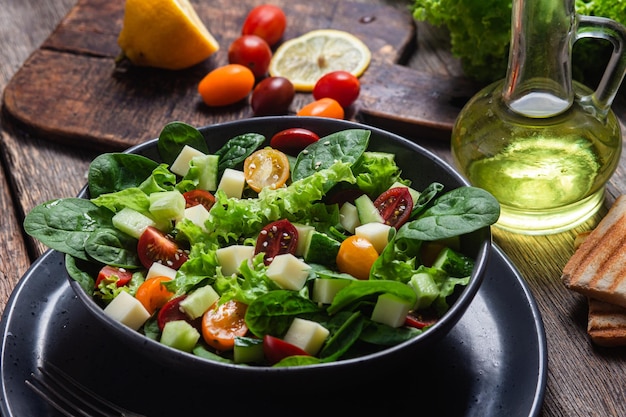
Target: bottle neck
column 539, row 75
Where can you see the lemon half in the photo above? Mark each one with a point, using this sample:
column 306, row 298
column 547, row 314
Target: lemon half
column 303, row 60
column 164, row 34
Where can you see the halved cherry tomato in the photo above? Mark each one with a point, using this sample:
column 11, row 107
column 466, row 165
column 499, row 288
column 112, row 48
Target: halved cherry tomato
column 272, row 96
column 195, row 197
column 324, row 107
column 266, row 21
column 251, row 51
column 356, row 256
column 266, row 168
column 108, row 273
column 277, row 238
column 395, row 206
column 276, row 349
column 155, row 246
column 226, row 85
column 171, row 311
column 222, row 322
column 419, row 321
column 340, row 85
column 152, row 294
column 292, row 141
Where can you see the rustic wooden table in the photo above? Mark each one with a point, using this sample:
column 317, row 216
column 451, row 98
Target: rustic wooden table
column 583, row 380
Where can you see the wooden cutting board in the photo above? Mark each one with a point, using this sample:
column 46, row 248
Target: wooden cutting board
column 70, row 89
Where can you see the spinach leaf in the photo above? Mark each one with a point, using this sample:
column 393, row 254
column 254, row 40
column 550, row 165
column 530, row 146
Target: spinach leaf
column 344, row 146
column 342, row 338
column 358, row 290
column 81, row 272
column 383, row 335
column 112, row 247
column 65, row 224
column 273, row 312
column 111, row 172
column 174, row 137
column 462, row 210
column 237, row 149
column 426, row 196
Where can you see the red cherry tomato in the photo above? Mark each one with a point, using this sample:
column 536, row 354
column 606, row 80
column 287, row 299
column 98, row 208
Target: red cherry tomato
column 276, row 349
column 339, row 85
column 171, row 311
column 292, row 141
column 155, row 246
column 266, row 21
column 419, row 321
column 226, row 85
column 251, row 51
column 195, row 197
column 277, row 238
column 108, row 273
column 324, row 107
column 272, row 96
column 395, row 206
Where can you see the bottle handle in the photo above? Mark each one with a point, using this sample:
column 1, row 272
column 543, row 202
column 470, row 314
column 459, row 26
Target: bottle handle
column 614, row 32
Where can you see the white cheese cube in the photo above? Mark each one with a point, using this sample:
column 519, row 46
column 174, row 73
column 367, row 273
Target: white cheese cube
column 128, row 310
column 232, row 183
column 160, row 270
column 349, row 217
column 376, row 233
column 303, row 234
column 307, row 335
column 288, row 272
column 390, row 310
column 231, row 257
column 197, row 214
column 181, row 163
column 325, row 289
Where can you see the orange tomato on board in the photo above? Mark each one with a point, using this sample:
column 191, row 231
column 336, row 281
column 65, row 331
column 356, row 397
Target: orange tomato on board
column 226, row 85
column 324, row 107
column 356, row 256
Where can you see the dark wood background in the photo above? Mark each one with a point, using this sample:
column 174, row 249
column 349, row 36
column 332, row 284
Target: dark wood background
column 583, row 380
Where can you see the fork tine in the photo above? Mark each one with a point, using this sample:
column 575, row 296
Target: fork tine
column 64, row 386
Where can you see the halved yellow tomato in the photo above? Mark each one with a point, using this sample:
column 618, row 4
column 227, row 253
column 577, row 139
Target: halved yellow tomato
column 266, row 167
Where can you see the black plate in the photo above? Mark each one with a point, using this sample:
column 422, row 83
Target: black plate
column 492, row 363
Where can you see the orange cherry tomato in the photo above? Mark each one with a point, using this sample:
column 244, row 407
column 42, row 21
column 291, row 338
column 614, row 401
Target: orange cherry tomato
column 266, row 168
column 152, row 294
column 222, row 323
column 324, row 107
column 226, row 85
column 356, row 256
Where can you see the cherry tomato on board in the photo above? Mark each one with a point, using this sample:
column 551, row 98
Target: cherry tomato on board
column 251, row 51
column 222, row 322
column 292, row 141
column 226, row 85
column 356, row 256
column 155, row 246
column 339, row 85
column 272, row 96
column 324, row 107
column 395, row 206
column 152, row 294
column 277, row 238
column 195, row 197
column 107, row 273
column 276, row 349
column 266, row 167
column 266, row 21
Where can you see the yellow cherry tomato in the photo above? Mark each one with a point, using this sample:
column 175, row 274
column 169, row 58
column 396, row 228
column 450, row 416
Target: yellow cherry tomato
column 324, row 107
column 266, row 168
column 356, row 256
column 226, row 85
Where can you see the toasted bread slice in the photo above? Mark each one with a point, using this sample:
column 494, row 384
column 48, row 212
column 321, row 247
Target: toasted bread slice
column 597, row 268
column 607, row 323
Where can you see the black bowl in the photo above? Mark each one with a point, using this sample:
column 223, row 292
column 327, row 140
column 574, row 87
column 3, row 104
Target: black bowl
column 418, row 164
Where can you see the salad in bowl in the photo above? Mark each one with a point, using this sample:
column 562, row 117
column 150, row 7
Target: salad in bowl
column 272, row 243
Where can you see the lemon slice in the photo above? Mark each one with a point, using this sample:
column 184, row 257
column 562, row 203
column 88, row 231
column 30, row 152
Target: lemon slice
column 305, row 59
column 164, row 34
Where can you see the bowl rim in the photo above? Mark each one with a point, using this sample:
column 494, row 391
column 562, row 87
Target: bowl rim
column 434, row 333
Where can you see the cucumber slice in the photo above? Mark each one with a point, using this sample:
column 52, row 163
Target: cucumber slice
column 320, row 249
column 454, row 263
column 208, row 166
column 248, row 350
column 132, row 222
column 349, row 217
column 425, row 288
column 199, row 301
column 180, row 335
column 390, row 310
column 368, row 213
column 167, row 205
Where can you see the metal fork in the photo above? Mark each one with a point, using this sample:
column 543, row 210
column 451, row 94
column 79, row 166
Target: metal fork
column 71, row 398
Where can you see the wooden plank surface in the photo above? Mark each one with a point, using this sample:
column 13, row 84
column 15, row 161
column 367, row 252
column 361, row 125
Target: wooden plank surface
column 70, row 90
